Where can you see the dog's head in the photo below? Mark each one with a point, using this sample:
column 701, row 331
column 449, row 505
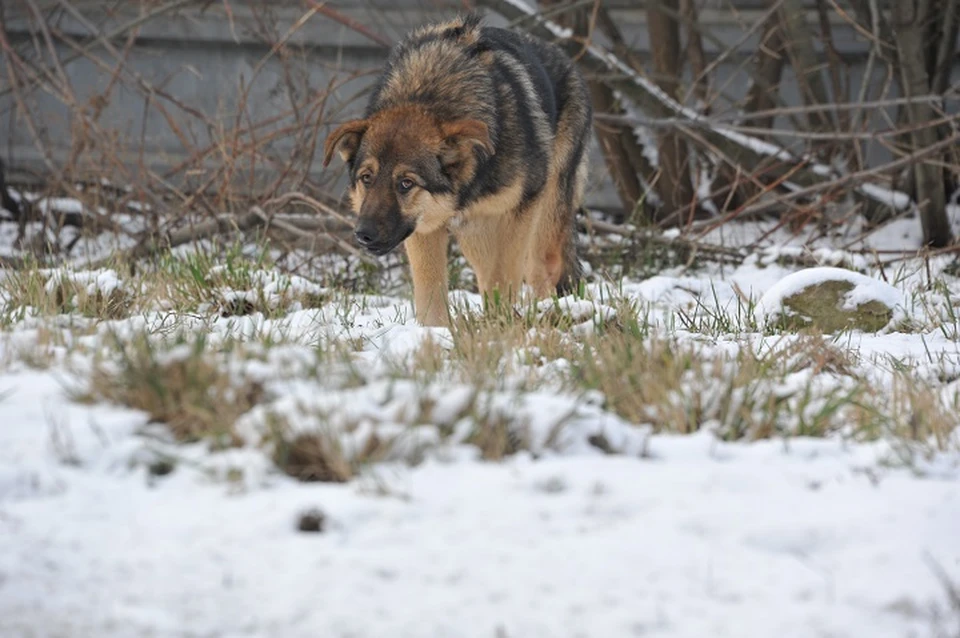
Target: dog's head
column 405, row 170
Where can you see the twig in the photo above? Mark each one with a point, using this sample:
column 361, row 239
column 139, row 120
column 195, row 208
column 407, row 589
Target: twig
column 104, row 39
column 807, row 175
column 338, row 241
column 680, row 242
column 255, row 218
column 672, row 122
column 859, row 177
column 736, row 256
column 349, row 22
column 315, row 204
column 216, row 226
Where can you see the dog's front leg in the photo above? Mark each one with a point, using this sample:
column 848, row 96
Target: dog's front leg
column 428, row 263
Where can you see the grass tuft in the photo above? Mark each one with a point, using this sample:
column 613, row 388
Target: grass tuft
column 497, row 434
column 313, row 457
column 318, row 454
column 183, row 387
column 703, row 366
column 95, row 295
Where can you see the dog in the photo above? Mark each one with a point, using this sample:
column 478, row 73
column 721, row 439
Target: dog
column 480, row 133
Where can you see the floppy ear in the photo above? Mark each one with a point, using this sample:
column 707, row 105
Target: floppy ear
column 345, row 139
column 461, row 137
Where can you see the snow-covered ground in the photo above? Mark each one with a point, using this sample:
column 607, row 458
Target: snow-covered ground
column 799, row 539
column 673, row 535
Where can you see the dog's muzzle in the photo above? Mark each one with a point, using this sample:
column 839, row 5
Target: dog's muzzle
column 373, row 238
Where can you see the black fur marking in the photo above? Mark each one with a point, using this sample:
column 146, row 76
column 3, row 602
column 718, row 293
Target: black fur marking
column 533, row 154
column 486, row 181
column 568, row 177
column 385, row 229
column 531, row 59
column 562, row 80
column 434, row 179
column 572, row 269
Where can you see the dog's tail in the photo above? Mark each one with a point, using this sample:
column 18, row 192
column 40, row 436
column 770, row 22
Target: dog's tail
column 572, row 272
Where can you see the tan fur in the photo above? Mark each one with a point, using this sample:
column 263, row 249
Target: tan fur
column 345, row 140
column 494, row 239
column 506, row 252
column 506, row 249
column 504, row 200
column 417, row 72
column 427, row 253
column 433, row 212
column 497, row 247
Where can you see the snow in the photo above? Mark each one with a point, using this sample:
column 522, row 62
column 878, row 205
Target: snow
column 801, row 538
column 100, row 281
column 60, row 204
column 670, row 536
column 953, row 214
column 892, row 198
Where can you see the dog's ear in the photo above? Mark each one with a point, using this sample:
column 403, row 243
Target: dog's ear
column 346, row 140
column 461, row 137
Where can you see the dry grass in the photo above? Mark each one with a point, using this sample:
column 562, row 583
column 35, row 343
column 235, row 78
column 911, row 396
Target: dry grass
column 46, row 293
column 913, row 411
column 488, row 348
column 803, row 385
column 217, row 282
column 184, row 387
column 318, row 454
column 645, row 380
column 313, row 457
column 716, row 379
column 224, row 282
column 807, row 385
column 497, row 435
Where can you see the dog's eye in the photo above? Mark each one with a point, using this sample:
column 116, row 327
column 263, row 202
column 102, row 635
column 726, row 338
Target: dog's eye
column 404, row 185
column 365, row 178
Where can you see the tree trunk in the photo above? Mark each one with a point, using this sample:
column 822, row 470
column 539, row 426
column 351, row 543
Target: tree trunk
column 624, row 158
column 941, row 64
column 909, row 18
column 674, row 185
column 695, row 54
column 768, row 69
column 622, row 153
column 942, row 44
column 798, row 42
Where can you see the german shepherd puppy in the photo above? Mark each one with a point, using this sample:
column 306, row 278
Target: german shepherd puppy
column 477, row 132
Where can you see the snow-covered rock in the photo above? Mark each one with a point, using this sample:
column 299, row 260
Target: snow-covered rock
column 831, row 299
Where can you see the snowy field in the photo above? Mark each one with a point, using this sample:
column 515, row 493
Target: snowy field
column 652, row 458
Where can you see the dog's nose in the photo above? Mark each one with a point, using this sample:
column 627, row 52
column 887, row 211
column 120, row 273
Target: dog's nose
column 366, row 233
column 365, row 238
